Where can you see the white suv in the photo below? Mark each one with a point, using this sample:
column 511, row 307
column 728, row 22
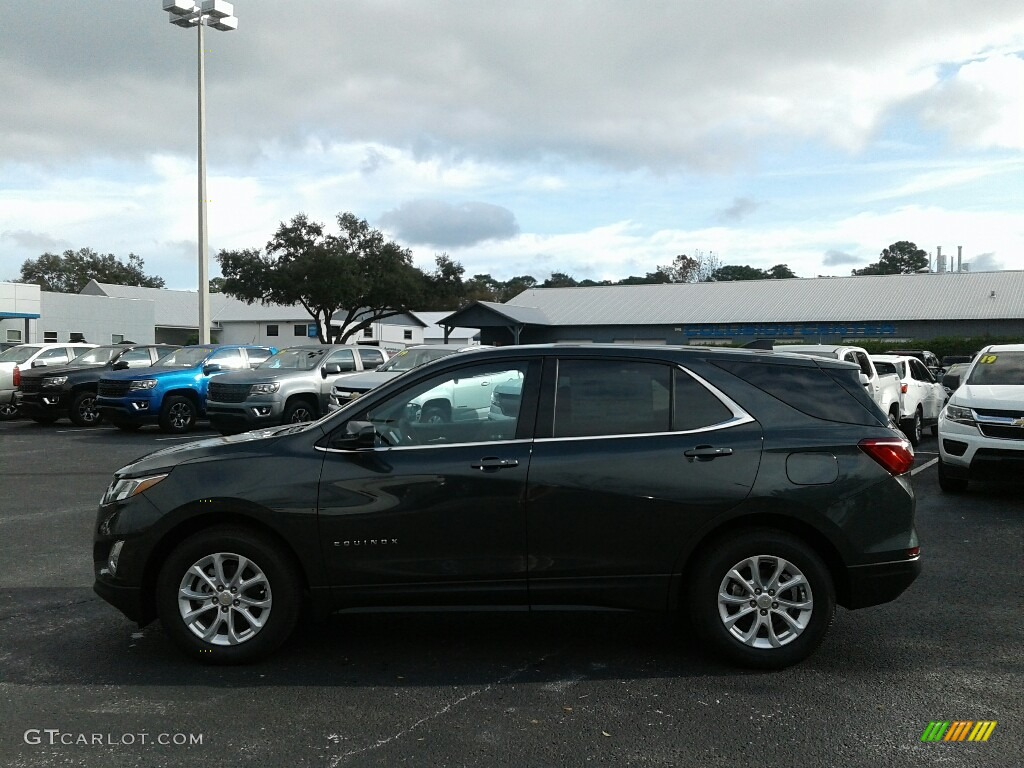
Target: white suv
column 25, row 356
column 981, row 429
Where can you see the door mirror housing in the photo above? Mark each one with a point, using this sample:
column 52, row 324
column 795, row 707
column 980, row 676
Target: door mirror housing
column 359, row 434
column 211, row 368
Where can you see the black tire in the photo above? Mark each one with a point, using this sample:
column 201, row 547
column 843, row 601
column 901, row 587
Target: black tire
column 950, row 484
column 178, row 415
column 276, row 581
column 299, row 411
column 710, row 575
column 8, row 411
column 48, row 418
column 433, row 414
column 912, row 428
column 82, row 411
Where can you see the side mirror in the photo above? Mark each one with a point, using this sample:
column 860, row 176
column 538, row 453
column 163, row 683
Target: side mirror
column 360, row 434
column 211, row 368
column 330, row 369
column 952, row 381
column 120, row 365
column 864, row 379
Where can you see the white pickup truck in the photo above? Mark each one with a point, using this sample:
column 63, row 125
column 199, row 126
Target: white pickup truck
column 884, row 389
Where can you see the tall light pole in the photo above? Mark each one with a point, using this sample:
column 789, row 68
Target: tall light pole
column 219, row 15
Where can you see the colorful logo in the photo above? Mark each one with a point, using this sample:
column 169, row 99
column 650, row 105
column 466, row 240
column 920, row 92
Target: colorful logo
column 959, row 730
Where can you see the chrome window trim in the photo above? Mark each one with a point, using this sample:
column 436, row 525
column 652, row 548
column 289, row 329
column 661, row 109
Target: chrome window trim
column 326, row 449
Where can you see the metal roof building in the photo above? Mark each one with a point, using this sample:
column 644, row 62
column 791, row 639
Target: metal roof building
column 819, row 310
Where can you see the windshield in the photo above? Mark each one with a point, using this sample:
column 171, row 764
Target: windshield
column 998, row 368
column 97, row 356
column 186, row 357
column 408, row 359
column 295, row 359
column 18, row 354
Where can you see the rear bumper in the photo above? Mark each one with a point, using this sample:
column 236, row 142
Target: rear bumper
column 879, row 583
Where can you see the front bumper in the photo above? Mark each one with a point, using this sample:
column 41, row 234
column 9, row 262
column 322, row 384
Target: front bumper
column 132, row 408
column 252, row 414
column 41, row 403
column 967, row 454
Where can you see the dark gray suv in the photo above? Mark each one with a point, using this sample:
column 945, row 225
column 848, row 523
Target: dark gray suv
column 749, row 492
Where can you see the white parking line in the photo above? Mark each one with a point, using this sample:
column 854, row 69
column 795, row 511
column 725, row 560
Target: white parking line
column 84, row 429
column 180, row 437
column 924, row 466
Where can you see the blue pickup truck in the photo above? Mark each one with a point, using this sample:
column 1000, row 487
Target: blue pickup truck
column 172, row 392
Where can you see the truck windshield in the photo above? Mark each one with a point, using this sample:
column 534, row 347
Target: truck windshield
column 408, row 359
column 186, row 357
column 998, row 368
column 97, row 356
column 295, row 359
column 18, row 354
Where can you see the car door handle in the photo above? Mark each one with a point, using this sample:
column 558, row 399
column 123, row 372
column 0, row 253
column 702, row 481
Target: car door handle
column 706, row 453
column 493, row 462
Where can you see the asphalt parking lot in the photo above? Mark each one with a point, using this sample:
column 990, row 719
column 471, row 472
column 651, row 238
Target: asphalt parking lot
column 81, row 685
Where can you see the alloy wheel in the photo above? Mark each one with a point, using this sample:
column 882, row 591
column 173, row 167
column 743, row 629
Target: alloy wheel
column 225, row 599
column 765, row 601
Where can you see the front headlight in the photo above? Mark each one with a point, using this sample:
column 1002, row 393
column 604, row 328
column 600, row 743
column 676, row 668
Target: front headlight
column 124, row 488
column 265, row 389
column 143, row 384
column 54, row 381
column 960, row 415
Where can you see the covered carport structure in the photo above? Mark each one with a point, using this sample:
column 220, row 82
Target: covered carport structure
column 495, row 320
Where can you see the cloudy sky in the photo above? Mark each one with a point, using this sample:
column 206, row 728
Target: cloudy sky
column 598, row 139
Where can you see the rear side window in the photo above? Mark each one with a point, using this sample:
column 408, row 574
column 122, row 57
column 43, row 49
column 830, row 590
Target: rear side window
column 610, row 397
column 830, row 394
column 371, row 357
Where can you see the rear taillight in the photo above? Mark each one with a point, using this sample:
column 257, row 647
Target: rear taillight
column 903, row 388
column 17, row 377
column 896, row 456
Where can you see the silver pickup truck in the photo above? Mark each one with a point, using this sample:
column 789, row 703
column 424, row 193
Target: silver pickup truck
column 292, row 386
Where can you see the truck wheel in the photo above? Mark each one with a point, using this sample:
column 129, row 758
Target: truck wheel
column 298, row 411
column 8, row 411
column 434, row 414
column 228, row 596
column 83, row 411
column 761, row 598
column 178, row 415
column 912, row 428
column 950, row 484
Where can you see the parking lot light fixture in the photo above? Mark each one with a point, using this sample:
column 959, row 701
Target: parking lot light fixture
column 219, row 15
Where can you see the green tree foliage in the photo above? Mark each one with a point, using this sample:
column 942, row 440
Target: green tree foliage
column 71, row 271
column 699, row 268
column 216, row 285
column 559, row 280
column 355, row 274
column 734, row 272
column 445, row 289
column 900, row 258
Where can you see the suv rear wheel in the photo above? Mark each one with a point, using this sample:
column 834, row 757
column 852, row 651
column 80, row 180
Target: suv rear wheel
column 228, row 596
column 762, row 598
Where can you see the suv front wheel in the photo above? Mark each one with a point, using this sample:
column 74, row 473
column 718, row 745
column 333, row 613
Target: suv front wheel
column 762, row 598
column 228, row 596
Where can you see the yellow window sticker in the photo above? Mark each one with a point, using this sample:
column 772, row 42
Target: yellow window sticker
column 988, row 359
